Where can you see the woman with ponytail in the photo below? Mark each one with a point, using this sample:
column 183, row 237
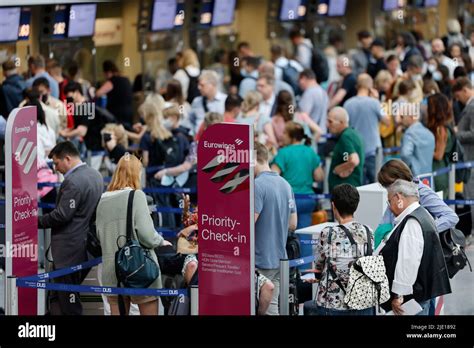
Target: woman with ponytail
column 300, row 173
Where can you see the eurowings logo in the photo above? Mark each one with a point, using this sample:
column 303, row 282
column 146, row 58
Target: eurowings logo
column 239, row 141
column 226, row 173
column 25, row 154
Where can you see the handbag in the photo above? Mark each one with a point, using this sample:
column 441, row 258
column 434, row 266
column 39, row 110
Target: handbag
column 453, row 242
column 368, row 283
column 134, row 266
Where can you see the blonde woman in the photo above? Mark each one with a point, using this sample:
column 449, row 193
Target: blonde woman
column 262, row 124
column 111, row 226
column 156, row 130
column 160, row 150
column 188, row 73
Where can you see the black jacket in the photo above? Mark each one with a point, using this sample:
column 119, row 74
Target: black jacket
column 432, row 279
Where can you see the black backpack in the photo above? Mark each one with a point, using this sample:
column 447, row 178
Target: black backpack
column 319, row 65
column 293, row 246
column 193, row 90
column 453, row 242
column 169, row 152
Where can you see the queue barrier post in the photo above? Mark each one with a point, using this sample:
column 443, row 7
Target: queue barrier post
column 89, row 157
column 284, row 287
column 452, row 183
column 11, row 301
column 194, row 298
column 378, row 160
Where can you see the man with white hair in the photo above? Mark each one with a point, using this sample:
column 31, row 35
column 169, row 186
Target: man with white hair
column 348, row 156
column 211, row 99
column 438, row 49
column 412, row 252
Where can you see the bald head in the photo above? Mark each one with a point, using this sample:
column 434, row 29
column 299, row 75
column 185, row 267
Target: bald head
column 338, row 120
column 437, row 46
column 364, row 81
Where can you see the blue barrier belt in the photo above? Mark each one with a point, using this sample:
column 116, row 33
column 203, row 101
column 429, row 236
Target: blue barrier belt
column 391, row 149
column 301, row 261
column 166, row 190
column 459, row 201
column 312, row 196
column 21, row 283
column 441, row 171
column 63, row 271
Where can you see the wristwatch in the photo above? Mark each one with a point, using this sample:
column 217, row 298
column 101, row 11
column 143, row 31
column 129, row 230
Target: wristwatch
column 396, row 296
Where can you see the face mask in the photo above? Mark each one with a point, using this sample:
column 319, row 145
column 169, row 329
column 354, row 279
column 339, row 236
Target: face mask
column 70, row 100
column 44, row 98
column 431, row 68
column 437, row 76
column 417, row 77
column 168, row 124
column 243, row 72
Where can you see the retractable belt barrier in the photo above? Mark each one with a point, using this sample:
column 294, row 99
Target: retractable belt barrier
column 39, row 281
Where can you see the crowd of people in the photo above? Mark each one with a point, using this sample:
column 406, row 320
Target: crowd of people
column 318, row 116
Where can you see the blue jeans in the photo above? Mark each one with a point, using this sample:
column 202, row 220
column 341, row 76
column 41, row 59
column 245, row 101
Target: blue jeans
column 304, row 209
column 311, row 308
column 369, row 170
column 426, row 307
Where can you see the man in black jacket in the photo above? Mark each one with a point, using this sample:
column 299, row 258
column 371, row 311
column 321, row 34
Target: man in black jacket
column 70, row 220
column 412, row 252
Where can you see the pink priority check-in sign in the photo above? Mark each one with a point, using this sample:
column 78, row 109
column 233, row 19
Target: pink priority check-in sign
column 21, row 202
column 226, row 220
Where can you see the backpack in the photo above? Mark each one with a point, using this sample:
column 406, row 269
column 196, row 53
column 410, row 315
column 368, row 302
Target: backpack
column 457, row 155
column 368, row 283
column 193, row 90
column 169, row 152
column 134, row 266
column 293, row 246
column 319, row 65
column 291, row 76
column 453, row 242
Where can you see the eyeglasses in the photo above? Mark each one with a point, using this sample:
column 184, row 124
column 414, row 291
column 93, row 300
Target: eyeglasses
column 389, row 199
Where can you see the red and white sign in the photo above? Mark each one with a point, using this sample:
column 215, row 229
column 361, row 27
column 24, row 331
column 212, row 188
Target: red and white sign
column 226, row 220
column 426, row 179
column 21, row 245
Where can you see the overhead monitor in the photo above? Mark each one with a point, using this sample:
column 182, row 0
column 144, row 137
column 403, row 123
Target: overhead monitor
column 82, row 20
column 164, row 15
column 431, row 3
column 25, row 27
column 390, row 5
column 9, row 23
column 180, row 14
column 337, row 8
column 61, row 17
column 205, row 17
column 223, row 12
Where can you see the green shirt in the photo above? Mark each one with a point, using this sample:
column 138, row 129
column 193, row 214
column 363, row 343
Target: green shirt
column 297, row 164
column 349, row 142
